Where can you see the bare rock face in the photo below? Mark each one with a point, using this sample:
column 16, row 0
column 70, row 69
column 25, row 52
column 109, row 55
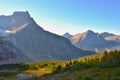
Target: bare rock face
column 90, row 40
column 9, row 53
column 111, row 37
column 15, row 20
column 5, row 52
column 36, row 43
column 106, row 34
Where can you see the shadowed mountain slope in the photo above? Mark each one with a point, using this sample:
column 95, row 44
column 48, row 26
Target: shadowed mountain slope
column 36, row 43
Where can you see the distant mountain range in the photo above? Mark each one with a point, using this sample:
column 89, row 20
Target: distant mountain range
column 32, row 42
column 97, row 42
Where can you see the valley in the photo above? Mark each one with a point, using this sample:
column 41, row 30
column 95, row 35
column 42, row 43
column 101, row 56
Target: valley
column 105, row 66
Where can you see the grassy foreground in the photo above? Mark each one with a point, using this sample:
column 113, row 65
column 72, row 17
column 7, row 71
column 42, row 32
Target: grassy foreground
column 104, row 66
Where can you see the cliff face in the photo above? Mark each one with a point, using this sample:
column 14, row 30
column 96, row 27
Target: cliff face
column 15, row 20
column 9, row 53
column 5, row 52
column 36, row 43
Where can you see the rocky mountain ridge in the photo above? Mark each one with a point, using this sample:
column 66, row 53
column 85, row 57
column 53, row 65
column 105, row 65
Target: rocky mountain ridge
column 34, row 42
column 98, row 42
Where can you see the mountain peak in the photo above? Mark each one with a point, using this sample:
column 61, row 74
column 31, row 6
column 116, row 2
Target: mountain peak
column 67, row 35
column 90, row 31
column 15, row 20
column 21, row 13
column 35, row 43
column 106, row 34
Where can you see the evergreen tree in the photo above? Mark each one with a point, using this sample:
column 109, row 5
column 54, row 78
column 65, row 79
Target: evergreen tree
column 57, row 70
column 70, row 62
column 105, row 56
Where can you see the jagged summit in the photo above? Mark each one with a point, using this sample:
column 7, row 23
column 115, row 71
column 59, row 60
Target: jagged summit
column 93, row 41
column 19, row 16
column 106, row 34
column 16, row 20
column 67, row 35
column 90, row 31
column 88, row 34
column 21, row 13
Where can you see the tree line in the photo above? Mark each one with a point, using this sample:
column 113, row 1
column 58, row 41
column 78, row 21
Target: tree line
column 108, row 59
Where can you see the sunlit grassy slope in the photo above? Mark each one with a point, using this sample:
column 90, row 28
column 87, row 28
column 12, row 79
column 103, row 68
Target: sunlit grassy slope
column 105, row 66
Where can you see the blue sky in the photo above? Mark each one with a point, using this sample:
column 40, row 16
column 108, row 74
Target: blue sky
column 74, row 16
